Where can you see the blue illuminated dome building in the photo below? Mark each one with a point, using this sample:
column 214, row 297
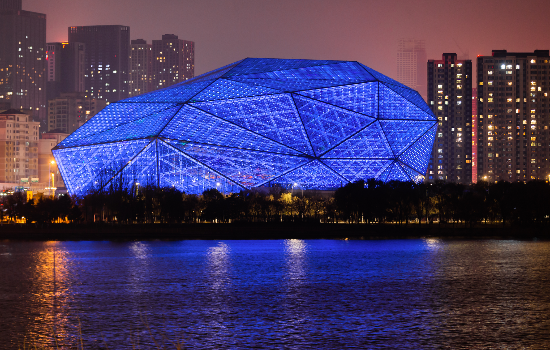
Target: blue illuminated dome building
column 257, row 122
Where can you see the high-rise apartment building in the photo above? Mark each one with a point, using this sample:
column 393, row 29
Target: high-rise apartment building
column 450, row 98
column 69, row 111
column 107, row 69
column 513, row 116
column 411, row 64
column 173, row 61
column 141, row 60
column 23, row 59
column 474, row 134
column 65, row 72
column 18, row 147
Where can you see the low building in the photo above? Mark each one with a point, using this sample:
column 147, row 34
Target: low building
column 18, row 147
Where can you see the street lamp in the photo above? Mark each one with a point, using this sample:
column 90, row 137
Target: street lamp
column 50, row 179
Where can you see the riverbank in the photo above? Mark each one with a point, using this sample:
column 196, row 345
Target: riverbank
column 100, row 232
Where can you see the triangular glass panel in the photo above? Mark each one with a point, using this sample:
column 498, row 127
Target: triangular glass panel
column 288, row 85
column 327, row 125
column 394, row 173
column 194, row 125
column 114, row 115
column 413, row 174
column 402, row 133
column 87, row 168
column 274, row 117
column 258, row 65
column 343, row 72
column 361, row 98
column 313, row 175
column 368, row 143
column 178, row 93
column 418, row 154
column 223, row 89
column 412, row 96
column 138, row 129
column 396, row 106
column 246, row 168
column 141, row 171
column 189, row 176
column 358, row 169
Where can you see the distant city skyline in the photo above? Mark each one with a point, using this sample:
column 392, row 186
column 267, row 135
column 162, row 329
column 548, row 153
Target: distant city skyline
column 360, row 30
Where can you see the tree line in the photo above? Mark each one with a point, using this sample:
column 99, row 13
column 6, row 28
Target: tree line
column 371, row 202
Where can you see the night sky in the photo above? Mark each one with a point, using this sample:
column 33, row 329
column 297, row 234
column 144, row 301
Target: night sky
column 367, row 31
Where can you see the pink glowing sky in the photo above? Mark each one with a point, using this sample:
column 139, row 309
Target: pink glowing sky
column 367, row 31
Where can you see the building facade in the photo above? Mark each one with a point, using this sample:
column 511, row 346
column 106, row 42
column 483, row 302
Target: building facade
column 513, row 116
column 141, row 60
column 411, row 64
column 69, row 111
column 107, row 59
column 18, row 147
column 450, row 98
column 23, row 59
column 295, row 132
column 65, row 71
column 173, row 61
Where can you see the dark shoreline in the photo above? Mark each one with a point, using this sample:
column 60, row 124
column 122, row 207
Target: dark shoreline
column 236, row 231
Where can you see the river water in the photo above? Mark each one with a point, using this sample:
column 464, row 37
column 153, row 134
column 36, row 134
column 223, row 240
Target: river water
column 291, row 294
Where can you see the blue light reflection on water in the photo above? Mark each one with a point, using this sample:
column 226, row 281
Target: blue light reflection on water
column 279, row 294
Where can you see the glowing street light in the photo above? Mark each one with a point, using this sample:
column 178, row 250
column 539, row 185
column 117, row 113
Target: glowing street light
column 50, row 179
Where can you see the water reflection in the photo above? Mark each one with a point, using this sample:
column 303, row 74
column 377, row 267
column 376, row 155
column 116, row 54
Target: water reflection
column 49, row 318
column 409, row 294
column 218, row 267
column 138, row 267
column 296, row 306
column 296, row 263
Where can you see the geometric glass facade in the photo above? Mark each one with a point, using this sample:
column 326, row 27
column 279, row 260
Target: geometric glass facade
column 258, row 122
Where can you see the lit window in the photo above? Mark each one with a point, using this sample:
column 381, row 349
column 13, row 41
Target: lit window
column 533, row 61
column 489, row 83
column 490, row 72
column 517, row 66
column 440, row 86
column 503, row 66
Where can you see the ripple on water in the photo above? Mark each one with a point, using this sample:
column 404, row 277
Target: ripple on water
column 293, row 294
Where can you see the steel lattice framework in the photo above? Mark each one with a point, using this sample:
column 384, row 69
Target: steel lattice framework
column 257, row 122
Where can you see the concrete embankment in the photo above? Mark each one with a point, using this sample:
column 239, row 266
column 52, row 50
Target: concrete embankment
column 77, row 232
